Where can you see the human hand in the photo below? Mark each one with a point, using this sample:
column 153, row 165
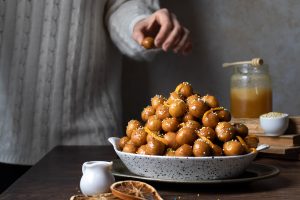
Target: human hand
column 169, row 34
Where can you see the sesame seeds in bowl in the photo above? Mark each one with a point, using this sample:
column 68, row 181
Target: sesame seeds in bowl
column 274, row 123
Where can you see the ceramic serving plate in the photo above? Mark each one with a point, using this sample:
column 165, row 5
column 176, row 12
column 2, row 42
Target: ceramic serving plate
column 253, row 172
column 185, row 168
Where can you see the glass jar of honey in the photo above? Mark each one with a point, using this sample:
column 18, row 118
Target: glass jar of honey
column 250, row 91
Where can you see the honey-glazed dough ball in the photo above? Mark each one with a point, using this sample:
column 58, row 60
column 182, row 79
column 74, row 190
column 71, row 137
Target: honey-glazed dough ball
column 131, row 126
column 123, row 141
column 217, row 150
column 139, row 137
column 170, row 124
column 129, row 148
column 171, row 139
column 185, row 89
column 192, row 124
column 197, row 108
column 142, row 150
column 170, row 152
column 188, row 117
column 157, row 100
column 207, row 132
column 186, row 135
column 211, row 101
column 155, row 147
column 162, row 112
column 233, row 148
column 225, row 131
column 184, row 150
column 173, row 96
column 149, row 138
column 192, row 98
column 147, row 112
column 210, row 119
column 224, row 115
column 153, row 123
column 201, row 148
column 241, row 129
column 177, row 108
column 251, row 141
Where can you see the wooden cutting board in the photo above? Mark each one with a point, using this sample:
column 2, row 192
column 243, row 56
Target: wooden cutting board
column 255, row 128
column 286, row 146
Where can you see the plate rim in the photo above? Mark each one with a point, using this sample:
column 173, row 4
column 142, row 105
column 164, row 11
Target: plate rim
column 273, row 172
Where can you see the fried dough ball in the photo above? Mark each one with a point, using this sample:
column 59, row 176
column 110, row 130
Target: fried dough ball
column 225, row 131
column 139, row 137
column 224, row 115
column 211, row 101
column 171, row 139
column 162, row 112
column 170, row 152
column 153, row 123
column 192, row 124
column 210, row 119
column 129, row 148
column 184, row 150
column 233, row 148
column 157, row 100
column 185, row 89
column 123, row 141
column 197, row 108
column 186, row 135
column 192, row 98
column 201, row 148
column 131, row 126
column 147, row 112
column 251, row 141
column 155, row 147
column 188, row 117
column 217, row 150
column 177, row 108
column 173, row 96
column 142, row 150
column 207, row 132
column 241, row 129
column 149, row 138
column 148, row 43
column 170, row 124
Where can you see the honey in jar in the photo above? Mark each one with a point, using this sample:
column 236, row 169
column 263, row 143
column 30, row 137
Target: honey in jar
column 250, row 91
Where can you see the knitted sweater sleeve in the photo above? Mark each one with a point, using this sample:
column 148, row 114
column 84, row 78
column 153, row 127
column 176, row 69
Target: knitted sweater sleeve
column 120, row 18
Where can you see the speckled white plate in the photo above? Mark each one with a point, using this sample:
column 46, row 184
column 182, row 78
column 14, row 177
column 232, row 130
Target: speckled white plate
column 185, row 168
column 254, row 172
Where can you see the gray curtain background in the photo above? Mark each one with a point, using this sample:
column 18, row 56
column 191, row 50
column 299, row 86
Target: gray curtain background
column 223, row 31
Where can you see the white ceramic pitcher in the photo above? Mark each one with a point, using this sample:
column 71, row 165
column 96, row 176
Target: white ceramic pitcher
column 96, row 178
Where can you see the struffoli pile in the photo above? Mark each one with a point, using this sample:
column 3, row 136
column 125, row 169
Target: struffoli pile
column 186, row 124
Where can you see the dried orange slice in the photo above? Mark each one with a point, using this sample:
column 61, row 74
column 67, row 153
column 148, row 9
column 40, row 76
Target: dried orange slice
column 134, row 190
column 207, row 141
column 213, row 109
column 243, row 144
column 156, row 135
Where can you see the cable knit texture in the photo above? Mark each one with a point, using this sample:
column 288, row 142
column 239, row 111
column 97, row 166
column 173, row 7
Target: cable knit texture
column 60, row 74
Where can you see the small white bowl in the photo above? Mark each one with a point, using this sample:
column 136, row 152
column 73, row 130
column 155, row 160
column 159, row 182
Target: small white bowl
column 274, row 124
column 185, row 168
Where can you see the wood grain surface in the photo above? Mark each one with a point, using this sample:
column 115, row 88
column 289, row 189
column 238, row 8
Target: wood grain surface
column 58, row 174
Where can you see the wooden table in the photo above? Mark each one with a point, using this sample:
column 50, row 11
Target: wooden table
column 58, row 174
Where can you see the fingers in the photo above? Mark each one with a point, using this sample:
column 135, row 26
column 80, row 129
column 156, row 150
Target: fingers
column 172, row 35
column 169, row 34
column 163, row 18
column 175, row 35
column 184, row 45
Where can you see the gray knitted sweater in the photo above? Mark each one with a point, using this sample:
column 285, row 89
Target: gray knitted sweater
column 60, row 74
